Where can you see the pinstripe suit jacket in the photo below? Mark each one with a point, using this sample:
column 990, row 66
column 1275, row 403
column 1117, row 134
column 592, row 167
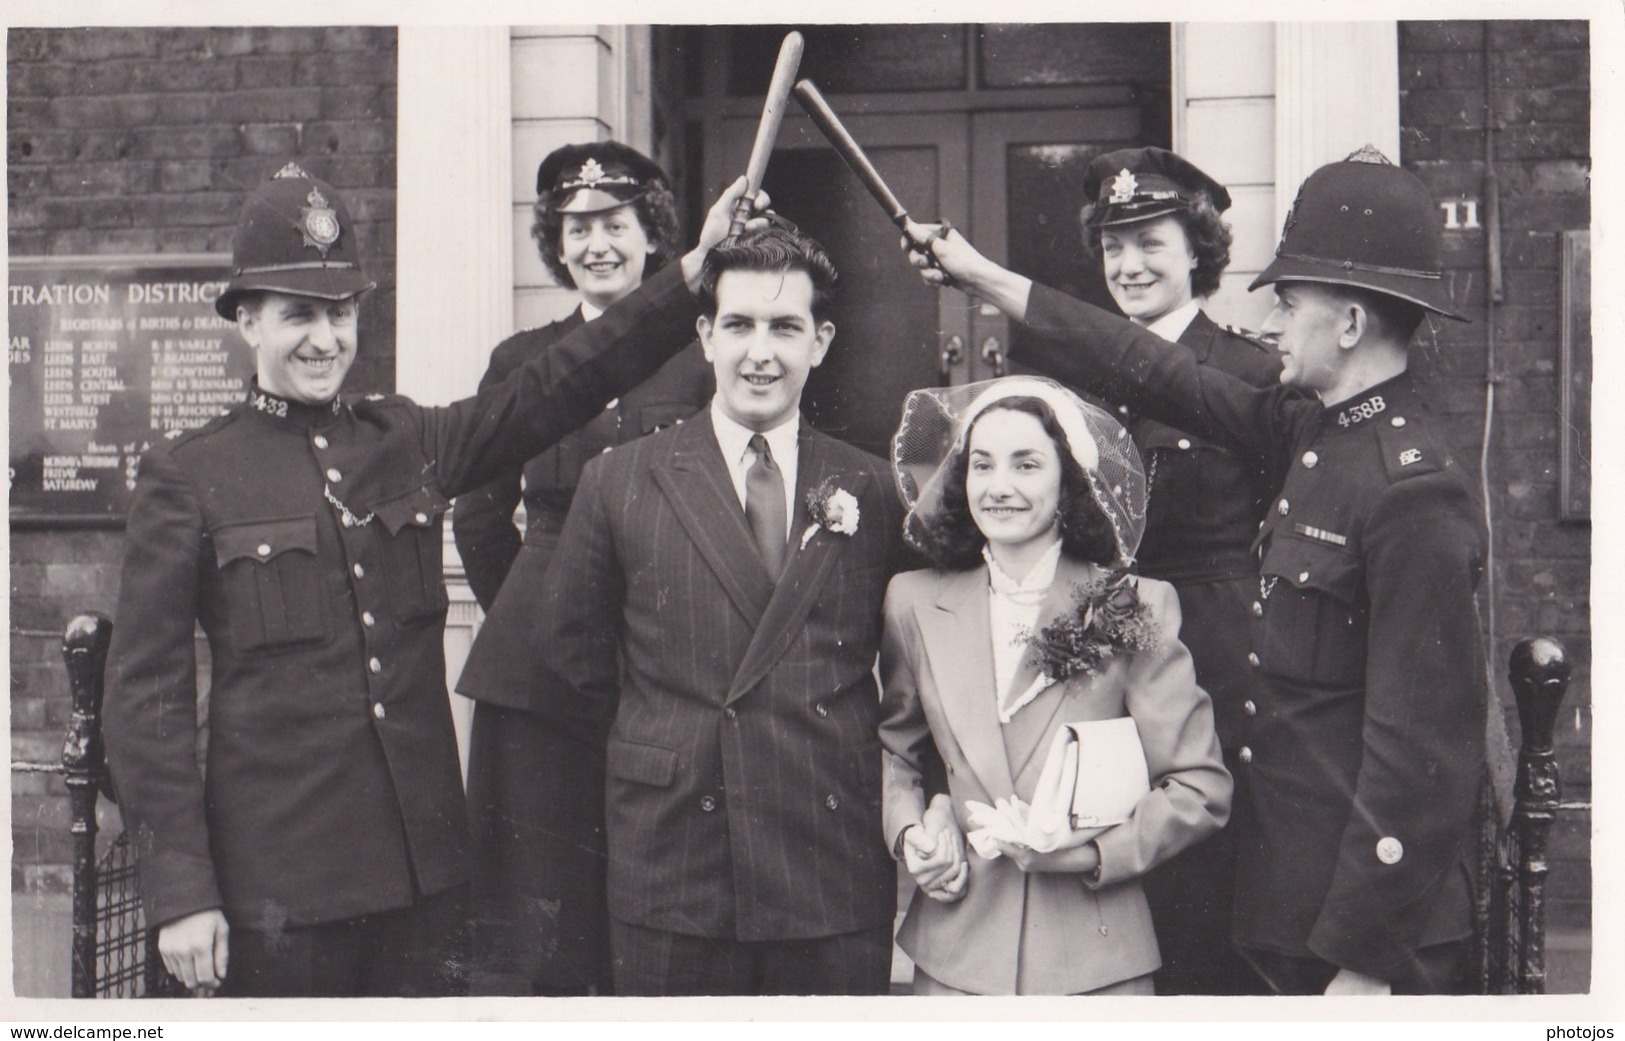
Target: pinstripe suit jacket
column 744, row 761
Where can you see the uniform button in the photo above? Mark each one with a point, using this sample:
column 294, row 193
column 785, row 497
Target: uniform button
column 375, row 666
column 1252, row 658
column 1398, row 421
column 368, row 620
column 1283, row 508
column 333, row 474
column 264, row 549
column 613, row 403
column 1303, row 576
column 606, row 449
column 320, row 441
column 1249, row 707
column 832, row 801
column 1245, row 755
column 1122, row 409
column 730, row 713
column 1185, row 443
column 822, row 709
column 358, row 571
column 1390, row 850
column 1258, row 609
column 421, row 517
column 1311, row 460
column 679, row 420
column 707, row 803
column 378, row 711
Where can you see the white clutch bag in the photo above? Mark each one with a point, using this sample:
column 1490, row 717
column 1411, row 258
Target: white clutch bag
column 1093, row 777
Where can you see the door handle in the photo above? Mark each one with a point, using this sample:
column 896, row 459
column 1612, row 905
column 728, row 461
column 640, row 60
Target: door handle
column 993, row 354
column 953, row 352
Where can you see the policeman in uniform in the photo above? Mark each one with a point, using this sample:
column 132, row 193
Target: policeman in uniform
column 320, row 848
column 535, row 784
column 1366, row 740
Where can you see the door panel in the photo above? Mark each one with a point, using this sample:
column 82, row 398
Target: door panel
column 1029, row 188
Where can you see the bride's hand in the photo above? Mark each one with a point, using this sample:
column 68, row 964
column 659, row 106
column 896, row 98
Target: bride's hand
column 934, row 853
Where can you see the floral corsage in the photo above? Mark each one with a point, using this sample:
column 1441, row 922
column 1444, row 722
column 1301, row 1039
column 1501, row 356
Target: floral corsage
column 1108, row 616
column 832, row 507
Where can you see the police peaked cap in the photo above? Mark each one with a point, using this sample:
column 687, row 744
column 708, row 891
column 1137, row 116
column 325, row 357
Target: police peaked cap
column 597, row 176
column 1135, row 184
column 294, row 236
column 1367, row 223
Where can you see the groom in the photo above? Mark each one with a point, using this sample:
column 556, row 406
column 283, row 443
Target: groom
column 723, row 581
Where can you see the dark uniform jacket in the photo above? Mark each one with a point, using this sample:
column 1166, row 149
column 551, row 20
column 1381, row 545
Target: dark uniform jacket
column 483, row 523
column 1202, row 512
column 744, row 761
column 1367, row 747
column 332, row 785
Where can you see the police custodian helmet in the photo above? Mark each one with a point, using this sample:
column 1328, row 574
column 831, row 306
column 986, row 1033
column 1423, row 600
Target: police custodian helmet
column 1364, row 222
column 294, row 236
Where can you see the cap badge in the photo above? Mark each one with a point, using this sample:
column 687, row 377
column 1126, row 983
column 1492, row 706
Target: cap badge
column 1124, row 187
column 591, row 173
column 320, row 222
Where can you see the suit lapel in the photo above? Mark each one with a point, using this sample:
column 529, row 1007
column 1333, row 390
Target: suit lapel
column 1028, row 730
column 806, row 568
column 696, row 482
column 954, row 631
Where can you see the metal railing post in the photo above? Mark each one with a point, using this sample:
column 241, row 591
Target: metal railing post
column 84, row 650
column 1539, row 671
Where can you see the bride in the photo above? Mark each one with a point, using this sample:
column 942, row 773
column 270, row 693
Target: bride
column 1030, row 619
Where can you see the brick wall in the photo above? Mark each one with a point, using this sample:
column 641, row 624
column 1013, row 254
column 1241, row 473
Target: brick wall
column 146, row 141
column 1540, row 101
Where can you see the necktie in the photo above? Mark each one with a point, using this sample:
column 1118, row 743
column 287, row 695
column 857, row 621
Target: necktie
column 764, row 505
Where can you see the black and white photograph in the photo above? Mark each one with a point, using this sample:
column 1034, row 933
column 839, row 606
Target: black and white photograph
column 808, row 507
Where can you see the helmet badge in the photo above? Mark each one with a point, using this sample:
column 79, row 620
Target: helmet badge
column 320, row 222
column 1124, row 187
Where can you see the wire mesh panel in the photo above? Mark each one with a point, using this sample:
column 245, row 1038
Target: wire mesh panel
column 121, row 928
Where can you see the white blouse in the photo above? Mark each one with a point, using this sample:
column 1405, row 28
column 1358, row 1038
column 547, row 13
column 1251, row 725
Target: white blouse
column 1013, row 611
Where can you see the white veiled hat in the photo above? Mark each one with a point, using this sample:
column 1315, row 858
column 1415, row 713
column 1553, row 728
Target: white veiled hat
column 937, row 419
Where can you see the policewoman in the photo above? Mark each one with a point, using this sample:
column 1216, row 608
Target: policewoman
column 321, row 848
column 1154, row 223
column 606, row 219
column 1365, row 742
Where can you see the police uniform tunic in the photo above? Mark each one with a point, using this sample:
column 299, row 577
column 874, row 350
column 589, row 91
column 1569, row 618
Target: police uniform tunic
column 535, row 792
column 1205, row 502
column 1365, row 747
column 306, row 542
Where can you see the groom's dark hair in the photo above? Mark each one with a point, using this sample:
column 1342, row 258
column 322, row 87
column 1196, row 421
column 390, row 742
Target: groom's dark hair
column 778, row 247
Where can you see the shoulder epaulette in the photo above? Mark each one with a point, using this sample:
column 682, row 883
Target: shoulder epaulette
column 1257, row 339
column 1408, row 450
column 176, row 438
column 374, row 399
